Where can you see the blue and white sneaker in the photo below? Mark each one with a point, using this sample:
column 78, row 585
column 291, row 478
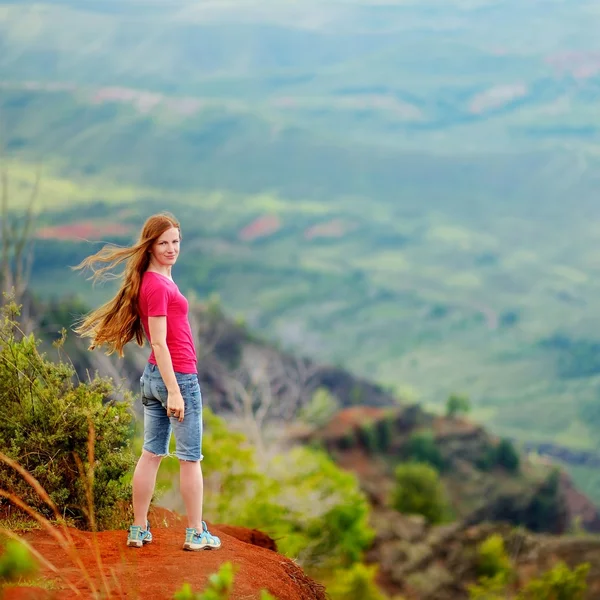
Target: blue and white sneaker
column 138, row 537
column 200, row 541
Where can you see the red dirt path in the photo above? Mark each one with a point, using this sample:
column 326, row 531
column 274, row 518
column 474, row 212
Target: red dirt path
column 159, row 569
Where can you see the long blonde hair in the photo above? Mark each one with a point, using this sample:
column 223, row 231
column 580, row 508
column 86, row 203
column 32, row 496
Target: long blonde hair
column 118, row 322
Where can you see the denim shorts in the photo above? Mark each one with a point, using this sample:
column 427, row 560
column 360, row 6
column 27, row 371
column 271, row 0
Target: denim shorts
column 158, row 426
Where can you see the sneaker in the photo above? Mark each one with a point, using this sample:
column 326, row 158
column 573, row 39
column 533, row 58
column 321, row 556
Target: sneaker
column 138, row 537
column 200, row 541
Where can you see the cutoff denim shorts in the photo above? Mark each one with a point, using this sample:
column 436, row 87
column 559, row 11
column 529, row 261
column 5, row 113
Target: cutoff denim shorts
column 158, row 426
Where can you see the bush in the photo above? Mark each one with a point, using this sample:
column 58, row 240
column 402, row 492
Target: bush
column 15, row 562
column 421, row 447
column 385, row 433
column 314, row 509
column 355, row 583
column 320, row 409
column 492, row 560
column 559, row 583
column 507, row 456
column 419, row 490
column 44, row 426
column 220, row 586
column 456, row 405
column 367, row 436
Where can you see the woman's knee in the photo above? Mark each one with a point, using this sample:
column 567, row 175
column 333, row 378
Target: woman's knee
column 147, row 455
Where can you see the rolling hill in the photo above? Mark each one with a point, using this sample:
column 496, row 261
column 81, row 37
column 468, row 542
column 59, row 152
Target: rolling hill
column 408, row 189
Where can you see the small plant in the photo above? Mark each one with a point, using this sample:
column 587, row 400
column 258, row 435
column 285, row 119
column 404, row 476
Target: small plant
column 385, row 433
column 220, row 586
column 419, row 491
column 492, row 560
column 507, row 456
column 367, row 435
column 421, row 447
column 457, row 405
column 355, row 583
column 488, row 588
column 321, row 407
column 559, row 583
column 15, row 562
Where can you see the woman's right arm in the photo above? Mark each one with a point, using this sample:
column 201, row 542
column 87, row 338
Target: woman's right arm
column 158, row 337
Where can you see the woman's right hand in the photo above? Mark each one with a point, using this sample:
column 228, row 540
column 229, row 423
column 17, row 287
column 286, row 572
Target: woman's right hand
column 175, row 405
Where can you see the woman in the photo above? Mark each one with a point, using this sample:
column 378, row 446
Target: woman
column 150, row 305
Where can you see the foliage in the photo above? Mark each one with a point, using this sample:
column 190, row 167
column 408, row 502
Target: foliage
column 314, row 509
column 546, row 507
column 559, row 583
column 421, row 447
column 457, row 405
column 385, row 432
column 507, row 456
column 488, row 588
column 15, row 562
column 326, row 521
column 418, row 490
column 493, row 561
column 367, row 435
column 45, row 424
column 322, row 406
column 355, row 583
column 220, row 586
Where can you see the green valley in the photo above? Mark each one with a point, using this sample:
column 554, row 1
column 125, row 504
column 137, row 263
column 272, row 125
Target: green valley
column 407, row 189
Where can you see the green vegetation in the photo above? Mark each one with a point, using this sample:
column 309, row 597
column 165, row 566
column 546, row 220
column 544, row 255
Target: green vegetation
column 418, row 490
column 315, row 510
column 220, row 586
column 493, row 562
column 457, row 405
column 320, row 409
column 356, row 583
column 507, row 456
column 16, row 562
column 421, row 447
column 45, row 425
column 558, row 583
column 451, row 280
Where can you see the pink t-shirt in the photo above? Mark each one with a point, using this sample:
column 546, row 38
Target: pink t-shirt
column 159, row 296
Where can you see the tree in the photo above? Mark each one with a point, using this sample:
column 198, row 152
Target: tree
column 421, row 447
column 418, row 490
column 322, row 406
column 457, row 404
column 507, row 456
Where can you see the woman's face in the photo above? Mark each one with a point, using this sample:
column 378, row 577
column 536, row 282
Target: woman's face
column 166, row 248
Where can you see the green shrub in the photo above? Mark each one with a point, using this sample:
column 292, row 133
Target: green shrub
column 315, row 510
column 457, row 404
column 44, row 426
column 418, row 490
column 488, row 588
column 220, row 586
column 385, row 433
column 559, row 583
column 507, row 456
column 355, row 583
column 492, row 560
column 367, row 436
column 15, row 562
column 320, row 409
column 421, row 447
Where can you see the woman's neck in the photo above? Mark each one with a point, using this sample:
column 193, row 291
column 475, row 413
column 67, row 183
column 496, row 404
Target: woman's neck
column 165, row 271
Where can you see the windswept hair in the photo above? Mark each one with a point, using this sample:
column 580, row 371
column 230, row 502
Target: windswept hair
column 117, row 322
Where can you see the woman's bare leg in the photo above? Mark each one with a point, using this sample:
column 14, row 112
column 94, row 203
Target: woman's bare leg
column 144, row 481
